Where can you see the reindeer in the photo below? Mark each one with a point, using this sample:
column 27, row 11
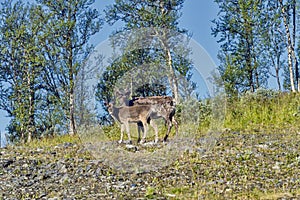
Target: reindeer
column 134, row 114
column 164, row 108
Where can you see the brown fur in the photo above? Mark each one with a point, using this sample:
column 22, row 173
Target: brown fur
column 165, row 108
column 133, row 114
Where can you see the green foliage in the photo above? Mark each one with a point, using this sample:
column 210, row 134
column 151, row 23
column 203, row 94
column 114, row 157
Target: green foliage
column 50, row 142
column 153, row 52
column 163, row 13
column 265, row 108
column 262, row 110
column 138, row 70
column 150, row 193
column 251, row 38
column 73, row 23
column 22, row 62
column 42, row 46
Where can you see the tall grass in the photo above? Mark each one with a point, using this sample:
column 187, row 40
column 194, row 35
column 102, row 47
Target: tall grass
column 50, row 142
column 263, row 109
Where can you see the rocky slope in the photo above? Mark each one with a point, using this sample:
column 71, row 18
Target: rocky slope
column 262, row 165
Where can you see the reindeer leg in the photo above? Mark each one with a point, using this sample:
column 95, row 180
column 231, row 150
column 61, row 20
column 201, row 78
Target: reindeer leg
column 171, row 121
column 155, row 130
column 145, row 132
column 140, row 127
column 168, row 131
column 128, row 132
column 122, row 131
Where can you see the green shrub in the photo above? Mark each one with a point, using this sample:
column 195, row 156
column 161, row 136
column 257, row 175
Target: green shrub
column 264, row 108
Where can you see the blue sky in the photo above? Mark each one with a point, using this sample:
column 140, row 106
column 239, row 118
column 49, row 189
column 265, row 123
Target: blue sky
column 197, row 16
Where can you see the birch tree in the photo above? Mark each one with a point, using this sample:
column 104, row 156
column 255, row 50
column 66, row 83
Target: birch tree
column 239, row 28
column 162, row 17
column 70, row 26
column 290, row 38
column 21, row 66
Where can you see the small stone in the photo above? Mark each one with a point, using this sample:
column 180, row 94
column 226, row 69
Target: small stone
column 54, row 198
column 228, row 190
column 7, row 163
column 98, row 171
column 171, row 195
column 25, row 165
column 262, row 146
column 39, row 150
column 131, row 147
column 68, row 144
column 42, row 195
column 210, row 183
column 276, row 166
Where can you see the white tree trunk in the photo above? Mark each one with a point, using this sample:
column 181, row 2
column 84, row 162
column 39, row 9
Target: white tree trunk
column 172, row 77
column 72, row 128
column 291, row 51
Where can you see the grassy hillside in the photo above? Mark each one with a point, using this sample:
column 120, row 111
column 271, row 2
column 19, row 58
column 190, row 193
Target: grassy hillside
column 263, row 109
column 256, row 157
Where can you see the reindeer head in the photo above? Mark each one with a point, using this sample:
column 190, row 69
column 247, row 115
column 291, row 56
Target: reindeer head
column 122, row 96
